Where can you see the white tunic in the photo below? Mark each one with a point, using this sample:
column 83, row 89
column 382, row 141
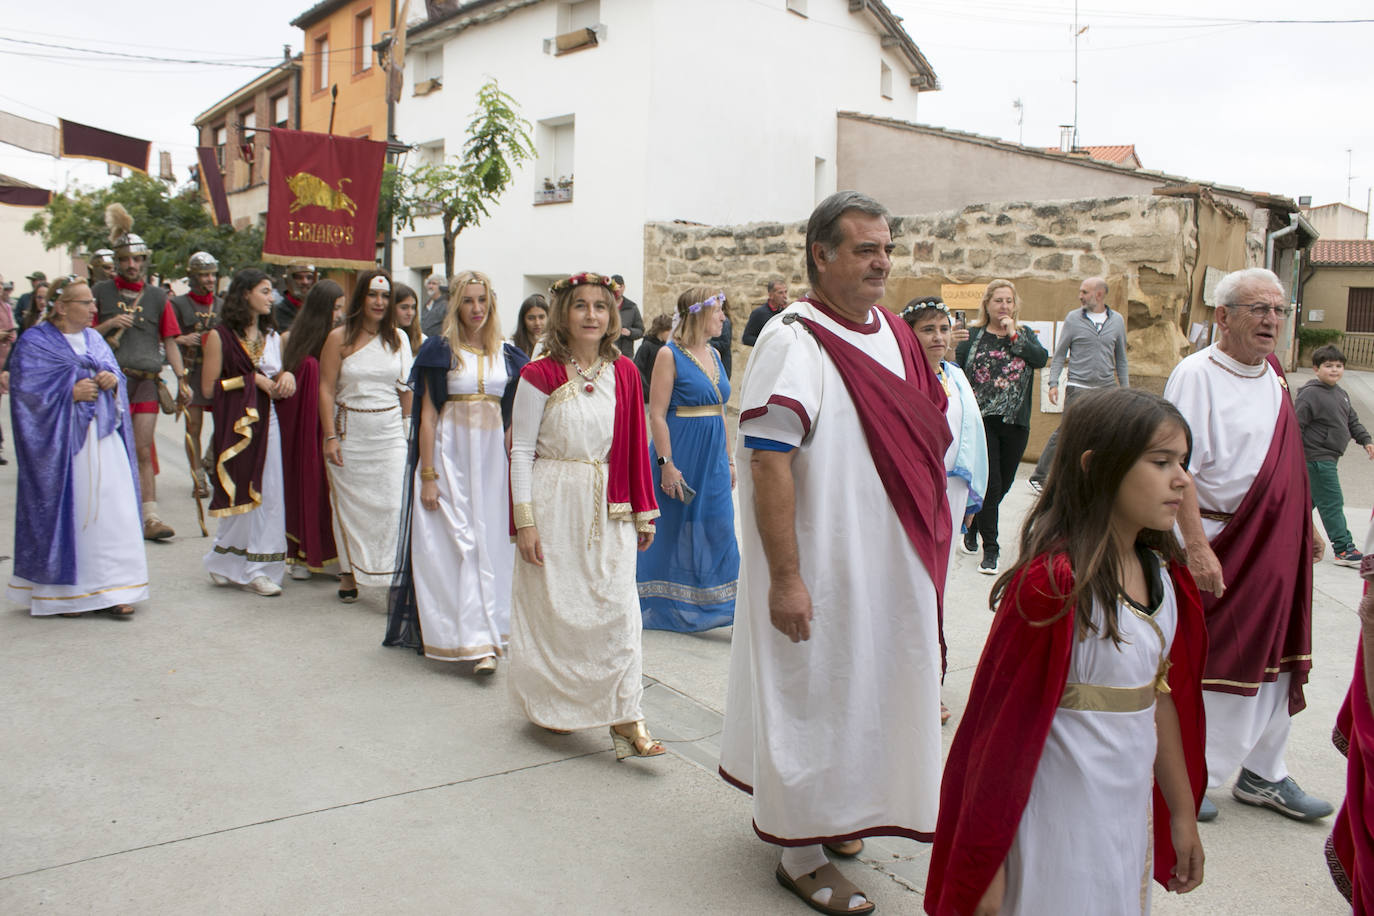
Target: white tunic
column 253, row 543
column 839, row 735
column 956, row 488
column 1084, row 844
column 111, row 567
column 461, row 553
column 366, row 491
column 1232, row 409
column 576, row 632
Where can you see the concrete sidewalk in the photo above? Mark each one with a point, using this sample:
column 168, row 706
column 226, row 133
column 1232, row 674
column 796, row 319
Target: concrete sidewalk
column 225, row 753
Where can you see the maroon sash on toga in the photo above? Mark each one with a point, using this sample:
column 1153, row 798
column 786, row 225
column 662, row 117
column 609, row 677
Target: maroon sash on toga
column 1262, row 626
column 240, row 439
column 904, row 424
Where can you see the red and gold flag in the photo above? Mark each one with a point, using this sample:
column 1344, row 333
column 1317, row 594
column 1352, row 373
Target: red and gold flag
column 322, row 199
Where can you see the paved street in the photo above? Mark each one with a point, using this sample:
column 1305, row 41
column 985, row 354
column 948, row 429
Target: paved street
column 225, row 753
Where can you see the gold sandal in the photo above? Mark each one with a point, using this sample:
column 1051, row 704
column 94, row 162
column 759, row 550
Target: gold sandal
column 636, row 744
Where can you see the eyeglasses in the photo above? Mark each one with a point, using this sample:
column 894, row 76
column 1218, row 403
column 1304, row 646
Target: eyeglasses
column 1263, row 311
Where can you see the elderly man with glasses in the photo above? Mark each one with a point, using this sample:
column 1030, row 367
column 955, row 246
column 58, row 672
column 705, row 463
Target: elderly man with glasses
column 1247, row 527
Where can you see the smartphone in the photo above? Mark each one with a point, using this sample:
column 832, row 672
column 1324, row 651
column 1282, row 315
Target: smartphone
column 959, row 321
column 688, row 494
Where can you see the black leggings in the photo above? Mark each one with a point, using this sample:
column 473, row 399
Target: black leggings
column 1006, row 444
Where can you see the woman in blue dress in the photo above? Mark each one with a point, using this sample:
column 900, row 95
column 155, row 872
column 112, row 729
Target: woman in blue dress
column 688, row 576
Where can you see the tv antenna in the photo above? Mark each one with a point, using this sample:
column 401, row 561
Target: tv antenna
column 1020, row 119
column 1076, row 33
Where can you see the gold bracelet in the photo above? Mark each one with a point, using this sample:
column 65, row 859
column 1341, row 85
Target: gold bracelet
column 429, row 474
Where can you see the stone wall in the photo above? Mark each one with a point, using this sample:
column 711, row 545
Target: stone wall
column 1146, row 247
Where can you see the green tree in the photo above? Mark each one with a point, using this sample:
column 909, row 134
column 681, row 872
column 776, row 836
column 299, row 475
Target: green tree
column 174, row 224
column 460, row 189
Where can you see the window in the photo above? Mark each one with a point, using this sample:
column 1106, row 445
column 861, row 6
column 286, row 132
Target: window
column 431, row 153
column 281, row 111
column 429, row 71
column 554, row 149
column 321, row 55
column 1359, row 314
column 362, row 42
column 585, row 14
column 221, row 137
column 797, row 6
column 248, row 120
column 885, row 80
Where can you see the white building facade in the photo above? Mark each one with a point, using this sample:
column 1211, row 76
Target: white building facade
column 718, row 112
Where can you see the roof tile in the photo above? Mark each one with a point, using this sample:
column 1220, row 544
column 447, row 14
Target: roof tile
column 1343, row 252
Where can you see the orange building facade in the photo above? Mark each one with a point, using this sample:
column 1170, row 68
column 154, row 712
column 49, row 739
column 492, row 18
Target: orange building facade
column 337, row 41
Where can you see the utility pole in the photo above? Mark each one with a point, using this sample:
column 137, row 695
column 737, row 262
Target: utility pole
column 1076, row 32
column 1349, row 174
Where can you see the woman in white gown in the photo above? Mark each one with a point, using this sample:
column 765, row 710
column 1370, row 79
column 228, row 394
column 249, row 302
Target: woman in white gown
column 364, row 400
column 583, row 502
column 451, row 596
column 242, row 375
column 78, row 537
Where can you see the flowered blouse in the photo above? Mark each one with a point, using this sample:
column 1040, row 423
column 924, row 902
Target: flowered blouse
column 999, row 375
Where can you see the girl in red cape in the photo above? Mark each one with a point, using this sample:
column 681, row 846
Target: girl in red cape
column 1084, row 729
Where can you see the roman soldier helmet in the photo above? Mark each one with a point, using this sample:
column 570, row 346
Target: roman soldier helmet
column 102, row 256
column 201, row 261
column 299, row 268
column 122, row 236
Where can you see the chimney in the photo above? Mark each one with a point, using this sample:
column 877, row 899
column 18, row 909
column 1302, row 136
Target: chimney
column 1066, row 138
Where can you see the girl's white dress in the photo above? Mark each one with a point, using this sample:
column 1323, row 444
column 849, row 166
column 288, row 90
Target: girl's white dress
column 1088, row 820
column 461, row 553
column 367, row 491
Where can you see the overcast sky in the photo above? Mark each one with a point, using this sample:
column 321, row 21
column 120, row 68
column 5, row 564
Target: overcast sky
column 1200, row 89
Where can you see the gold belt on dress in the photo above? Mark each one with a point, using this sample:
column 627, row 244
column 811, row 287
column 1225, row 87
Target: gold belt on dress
column 598, row 492
column 341, row 412
column 495, row 398
column 703, row 410
column 1095, row 698
column 1216, row 516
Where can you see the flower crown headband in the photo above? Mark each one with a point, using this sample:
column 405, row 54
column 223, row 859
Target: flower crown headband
column 921, row 305
column 717, row 299
column 586, row 278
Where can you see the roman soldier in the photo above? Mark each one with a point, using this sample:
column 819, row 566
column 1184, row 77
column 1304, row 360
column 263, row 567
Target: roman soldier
column 197, row 311
column 102, row 265
column 299, row 279
column 135, row 316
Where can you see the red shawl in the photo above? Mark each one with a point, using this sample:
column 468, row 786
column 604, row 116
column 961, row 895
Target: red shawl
column 240, row 439
column 1015, row 693
column 309, row 519
column 904, row 425
column 1263, row 624
column 630, row 482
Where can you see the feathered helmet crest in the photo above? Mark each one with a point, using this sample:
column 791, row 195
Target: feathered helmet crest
column 122, row 237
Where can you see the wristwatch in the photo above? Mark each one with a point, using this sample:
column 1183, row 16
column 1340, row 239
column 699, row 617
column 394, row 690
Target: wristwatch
column 662, row 460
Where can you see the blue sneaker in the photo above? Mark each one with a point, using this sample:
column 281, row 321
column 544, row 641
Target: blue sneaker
column 1349, row 557
column 1206, row 811
column 1284, row 796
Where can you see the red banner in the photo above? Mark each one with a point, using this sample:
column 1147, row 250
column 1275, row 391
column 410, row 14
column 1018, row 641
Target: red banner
column 85, row 142
column 322, row 199
column 212, row 185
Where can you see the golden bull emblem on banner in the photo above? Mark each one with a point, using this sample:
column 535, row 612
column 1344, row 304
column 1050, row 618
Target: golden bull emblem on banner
column 312, row 191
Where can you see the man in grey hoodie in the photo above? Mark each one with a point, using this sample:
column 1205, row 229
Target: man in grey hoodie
column 1093, row 342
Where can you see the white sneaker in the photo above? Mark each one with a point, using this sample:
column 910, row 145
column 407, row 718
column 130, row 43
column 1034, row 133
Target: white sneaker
column 219, row 580
column 485, row 666
column 299, row 573
column 263, row 586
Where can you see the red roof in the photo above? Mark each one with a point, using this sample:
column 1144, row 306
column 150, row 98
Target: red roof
column 1343, row 252
column 1122, row 153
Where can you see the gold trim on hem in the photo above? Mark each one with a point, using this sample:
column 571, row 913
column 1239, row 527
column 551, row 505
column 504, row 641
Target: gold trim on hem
column 243, row 426
column 1097, row 698
column 702, row 410
column 101, row 591
column 465, row 653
